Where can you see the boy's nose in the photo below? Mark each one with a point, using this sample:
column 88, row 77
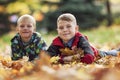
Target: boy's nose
column 25, row 27
column 64, row 29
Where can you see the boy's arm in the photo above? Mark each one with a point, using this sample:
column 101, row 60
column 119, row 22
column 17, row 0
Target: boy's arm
column 88, row 58
column 39, row 42
column 53, row 50
column 42, row 44
column 88, row 52
column 15, row 55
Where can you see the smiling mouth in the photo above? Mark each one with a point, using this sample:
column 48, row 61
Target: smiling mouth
column 65, row 34
column 25, row 32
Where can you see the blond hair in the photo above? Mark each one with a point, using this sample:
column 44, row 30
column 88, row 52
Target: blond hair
column 26, row 16
column 67, row 17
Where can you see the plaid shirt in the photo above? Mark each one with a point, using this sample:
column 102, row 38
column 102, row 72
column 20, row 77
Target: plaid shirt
column 30, row 49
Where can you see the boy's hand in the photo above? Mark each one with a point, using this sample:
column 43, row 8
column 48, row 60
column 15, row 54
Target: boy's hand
column 67, row 58
column 71, row 58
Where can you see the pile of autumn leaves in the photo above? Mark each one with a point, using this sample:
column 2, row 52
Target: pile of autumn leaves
column 107, row 68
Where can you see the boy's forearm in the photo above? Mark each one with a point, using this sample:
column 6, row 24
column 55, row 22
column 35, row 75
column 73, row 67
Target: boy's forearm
column 88, row 59
column 15, row 56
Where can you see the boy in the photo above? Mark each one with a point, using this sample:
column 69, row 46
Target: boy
column 69, row 39
column 26, row 42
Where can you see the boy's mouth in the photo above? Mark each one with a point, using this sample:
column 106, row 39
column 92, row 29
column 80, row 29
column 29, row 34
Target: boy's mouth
column 25, row 32
column 66, row 34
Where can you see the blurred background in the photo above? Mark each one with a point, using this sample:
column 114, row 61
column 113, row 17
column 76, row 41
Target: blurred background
column 90, row 14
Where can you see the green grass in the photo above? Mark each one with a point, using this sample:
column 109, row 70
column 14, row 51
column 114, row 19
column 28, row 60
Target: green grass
column 104, row 36
column 5, row 40
column 98, row 36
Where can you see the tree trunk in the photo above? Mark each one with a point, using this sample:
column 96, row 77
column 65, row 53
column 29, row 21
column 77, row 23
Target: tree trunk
column 109, row 15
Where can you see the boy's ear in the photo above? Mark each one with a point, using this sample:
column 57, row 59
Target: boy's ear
column 77, row 28
column 17, row 28
column 34, row 28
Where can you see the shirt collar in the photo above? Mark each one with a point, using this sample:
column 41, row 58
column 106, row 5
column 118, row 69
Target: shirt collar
column 69, row 43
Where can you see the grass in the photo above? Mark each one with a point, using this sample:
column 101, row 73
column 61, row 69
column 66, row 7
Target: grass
column 98, row 36
column 104, row 36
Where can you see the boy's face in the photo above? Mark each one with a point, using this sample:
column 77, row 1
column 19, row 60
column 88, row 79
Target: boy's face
column 25, row 28
column 66, row 30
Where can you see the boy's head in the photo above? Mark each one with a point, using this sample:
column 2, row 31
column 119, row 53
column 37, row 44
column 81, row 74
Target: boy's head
column 66, row 26
column 26, row 25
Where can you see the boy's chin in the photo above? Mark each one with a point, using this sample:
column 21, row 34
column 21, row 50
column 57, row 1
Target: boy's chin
column 26, row 36
column 66, row 40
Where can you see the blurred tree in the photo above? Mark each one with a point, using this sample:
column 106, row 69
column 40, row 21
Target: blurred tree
column 4, row 22
column 4, row 2
column 12, row 9
column 88, row 14
column 23, row 7
column 109, row 15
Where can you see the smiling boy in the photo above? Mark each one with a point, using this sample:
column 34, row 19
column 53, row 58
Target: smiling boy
column 26, row 42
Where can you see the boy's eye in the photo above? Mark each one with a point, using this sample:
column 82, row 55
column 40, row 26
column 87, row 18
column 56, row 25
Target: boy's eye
column 60, row 28
column 68, row 26
column 22, row 26
column 29, row 26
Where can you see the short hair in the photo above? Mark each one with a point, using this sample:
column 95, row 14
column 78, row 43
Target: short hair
column 26, row 16
column 67, row 17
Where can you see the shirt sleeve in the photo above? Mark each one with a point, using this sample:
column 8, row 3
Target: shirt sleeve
column 16, row 52
column 42, row 44
column 53, row 50
column 88, row 59
column 84, row 44
column 88, row 52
